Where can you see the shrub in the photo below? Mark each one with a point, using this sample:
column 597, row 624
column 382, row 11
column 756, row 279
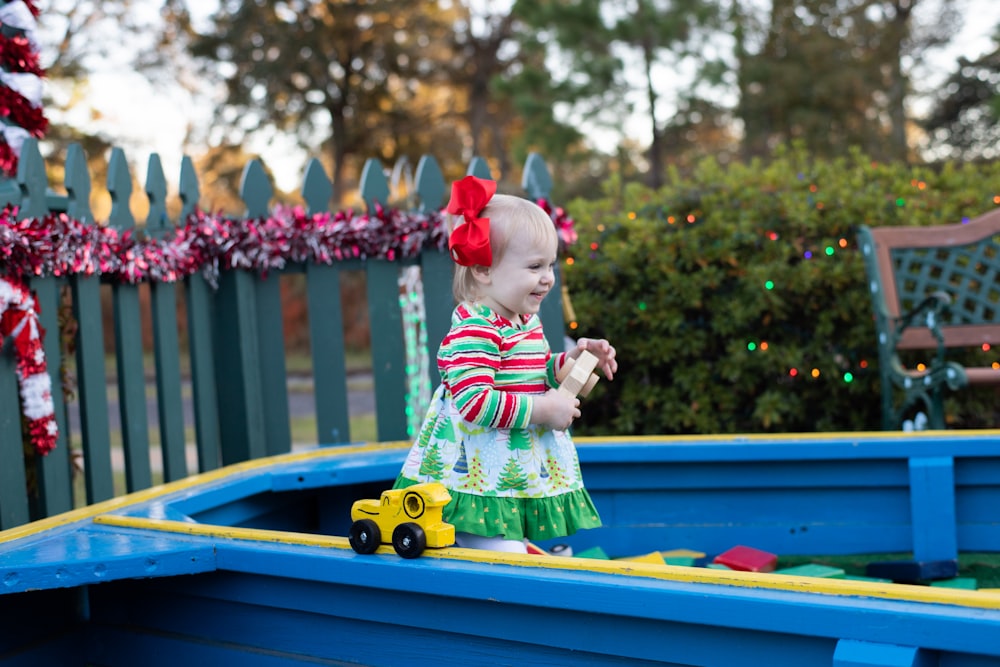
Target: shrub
column 737, row 298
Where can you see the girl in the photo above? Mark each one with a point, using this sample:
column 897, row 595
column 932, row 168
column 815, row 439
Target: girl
column 495, row 432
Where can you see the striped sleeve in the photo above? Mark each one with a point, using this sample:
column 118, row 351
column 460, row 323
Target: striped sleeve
column 471, row 359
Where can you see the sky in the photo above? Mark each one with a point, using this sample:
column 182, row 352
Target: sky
column 144, row 120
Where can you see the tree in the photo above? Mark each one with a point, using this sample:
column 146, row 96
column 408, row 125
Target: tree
column 599, row 41
column 964, row 122
column 663, row 33
column 832, row 74
column 74, row 37
column 334, row 73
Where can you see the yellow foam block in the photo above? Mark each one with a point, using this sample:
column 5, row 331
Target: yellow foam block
column 682, row 553
column 654, row 558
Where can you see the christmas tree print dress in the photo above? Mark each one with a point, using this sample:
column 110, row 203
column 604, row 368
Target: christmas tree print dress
column 506, row 476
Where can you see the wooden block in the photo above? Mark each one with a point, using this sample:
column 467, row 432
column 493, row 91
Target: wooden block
column 653, row 557
column 576, row 376
column 718, row 566
column 966, row 583
column 593, row 552
column 813, row 570
column 913, row 571
column 747, row 559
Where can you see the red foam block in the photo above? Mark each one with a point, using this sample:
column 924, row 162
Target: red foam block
column 747, row 559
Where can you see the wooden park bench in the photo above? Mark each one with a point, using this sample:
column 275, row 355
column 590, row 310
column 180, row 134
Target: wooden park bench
column 935, row 289
column 236, row 352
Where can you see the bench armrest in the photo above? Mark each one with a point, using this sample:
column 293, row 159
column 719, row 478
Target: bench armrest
column 928, row 313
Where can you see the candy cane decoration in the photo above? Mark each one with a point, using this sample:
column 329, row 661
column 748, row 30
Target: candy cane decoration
column 19, row 321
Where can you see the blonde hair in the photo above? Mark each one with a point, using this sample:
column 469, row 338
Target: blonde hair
column 509, row 216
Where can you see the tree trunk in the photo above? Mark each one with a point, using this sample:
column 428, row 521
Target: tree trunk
column 655, row 179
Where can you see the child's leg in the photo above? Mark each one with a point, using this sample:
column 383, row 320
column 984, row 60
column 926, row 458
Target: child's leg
column 495, row 543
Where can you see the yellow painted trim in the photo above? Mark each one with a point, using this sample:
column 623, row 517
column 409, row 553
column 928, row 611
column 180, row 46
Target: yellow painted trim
column 151, row 493
column 691, row 575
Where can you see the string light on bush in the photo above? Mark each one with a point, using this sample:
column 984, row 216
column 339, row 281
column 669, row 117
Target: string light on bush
column 815, row 372
column 848, row 377
column 751, row 346
column 793, row 372
column 769, row 284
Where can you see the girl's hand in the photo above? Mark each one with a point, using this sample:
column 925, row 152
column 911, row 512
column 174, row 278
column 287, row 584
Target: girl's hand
column 601, row 349
column 555, row 410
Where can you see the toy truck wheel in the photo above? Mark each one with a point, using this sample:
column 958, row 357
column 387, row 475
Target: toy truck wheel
column 365, row 536
column 591, row 381
column 409, row 540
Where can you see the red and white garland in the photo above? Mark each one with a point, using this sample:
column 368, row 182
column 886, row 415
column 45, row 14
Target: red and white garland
column 21, row 114
column 19, row 320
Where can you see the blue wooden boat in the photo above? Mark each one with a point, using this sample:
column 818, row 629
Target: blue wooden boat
column 249, row 564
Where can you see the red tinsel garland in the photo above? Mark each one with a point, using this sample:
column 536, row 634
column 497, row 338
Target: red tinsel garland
column 58, row 245
column 15, row 107
column 16, row 55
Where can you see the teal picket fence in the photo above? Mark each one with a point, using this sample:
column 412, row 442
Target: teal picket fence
column 236, row 353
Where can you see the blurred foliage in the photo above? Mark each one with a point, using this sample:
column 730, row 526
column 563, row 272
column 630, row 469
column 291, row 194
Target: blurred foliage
column 714, row 287
column 965, row 120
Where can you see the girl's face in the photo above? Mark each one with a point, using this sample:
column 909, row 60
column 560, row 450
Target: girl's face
column 517, row 284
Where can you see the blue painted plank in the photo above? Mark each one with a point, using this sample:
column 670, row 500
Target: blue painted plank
column 852, row 653
column 932, row 499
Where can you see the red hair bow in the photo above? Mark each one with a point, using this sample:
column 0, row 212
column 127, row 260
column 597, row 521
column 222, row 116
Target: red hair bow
column 470, row 241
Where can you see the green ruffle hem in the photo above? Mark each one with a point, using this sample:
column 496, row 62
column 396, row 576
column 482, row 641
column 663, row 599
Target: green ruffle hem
column 517, row 518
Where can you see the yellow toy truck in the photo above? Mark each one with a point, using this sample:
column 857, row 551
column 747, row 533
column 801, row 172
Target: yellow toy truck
column 411, row 515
